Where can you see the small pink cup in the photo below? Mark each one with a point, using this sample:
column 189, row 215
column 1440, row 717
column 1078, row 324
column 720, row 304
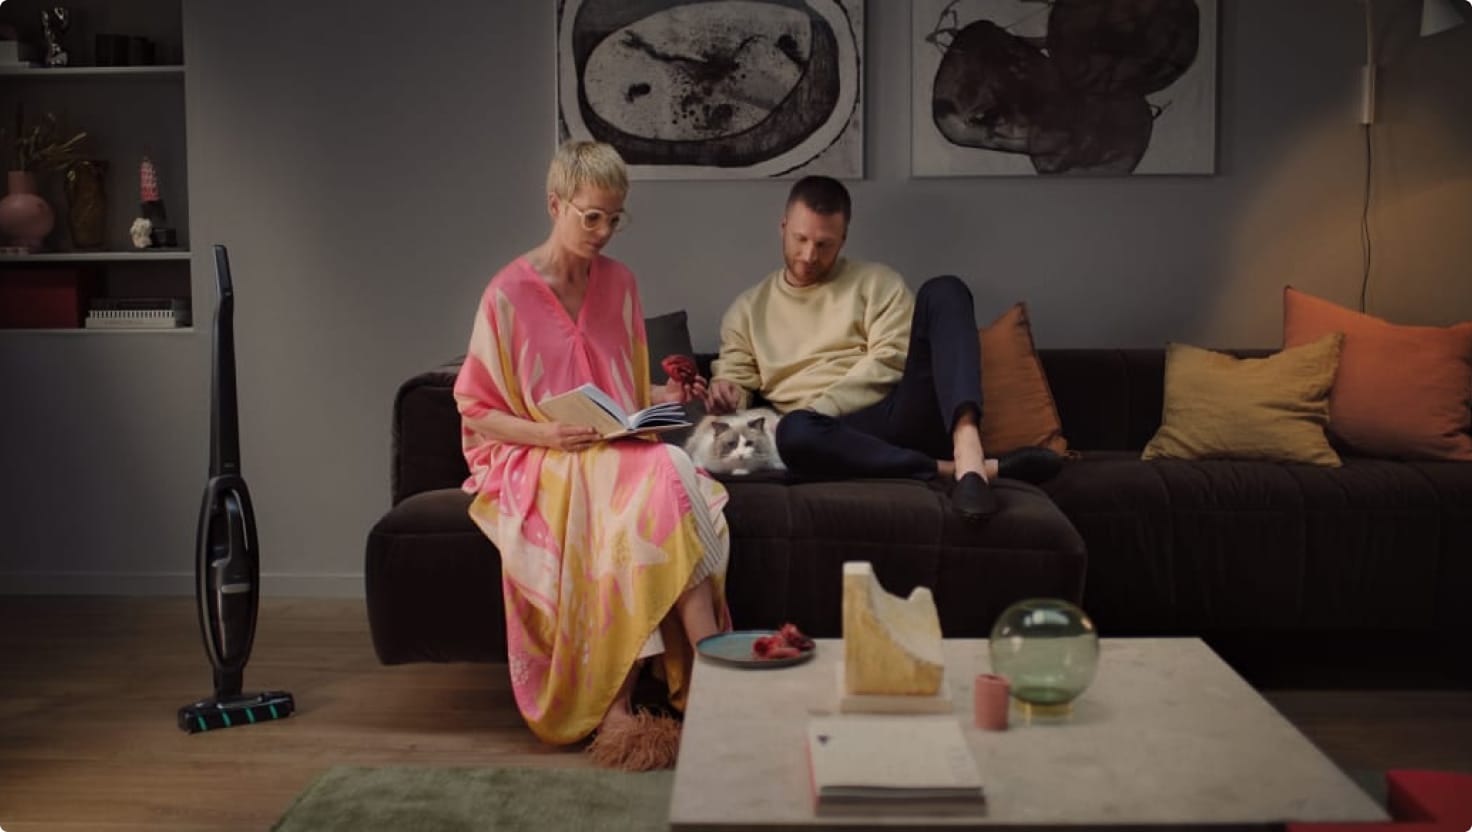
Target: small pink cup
column 993, row 696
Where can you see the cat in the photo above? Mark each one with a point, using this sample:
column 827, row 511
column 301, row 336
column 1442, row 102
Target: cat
column 739, row 443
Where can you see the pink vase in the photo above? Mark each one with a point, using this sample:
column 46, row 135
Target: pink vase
column 25, row 218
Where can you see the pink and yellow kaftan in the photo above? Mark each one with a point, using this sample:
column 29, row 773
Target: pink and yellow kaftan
column 596, row 545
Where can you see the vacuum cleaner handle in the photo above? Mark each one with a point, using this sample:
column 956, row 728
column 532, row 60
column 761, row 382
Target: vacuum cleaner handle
column 224, row 418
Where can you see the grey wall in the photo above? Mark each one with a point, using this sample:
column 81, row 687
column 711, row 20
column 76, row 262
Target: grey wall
column 371, row 165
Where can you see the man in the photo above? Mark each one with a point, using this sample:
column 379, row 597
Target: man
column 872, row 382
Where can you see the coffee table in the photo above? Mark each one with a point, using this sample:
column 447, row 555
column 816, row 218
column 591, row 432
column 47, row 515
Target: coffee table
column 1167, row 735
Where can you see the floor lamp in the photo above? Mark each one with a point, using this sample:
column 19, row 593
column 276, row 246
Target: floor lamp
column 1436, row 16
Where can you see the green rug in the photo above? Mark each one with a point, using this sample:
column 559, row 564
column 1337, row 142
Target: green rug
column 405, row 799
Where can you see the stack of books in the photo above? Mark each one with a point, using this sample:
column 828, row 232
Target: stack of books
column 137, row 313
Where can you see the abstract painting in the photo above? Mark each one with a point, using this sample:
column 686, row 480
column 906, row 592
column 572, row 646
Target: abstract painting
column 703, row 89
column 1063, row 87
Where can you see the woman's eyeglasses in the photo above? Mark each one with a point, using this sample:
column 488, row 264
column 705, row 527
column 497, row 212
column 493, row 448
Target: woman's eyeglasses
column 594, row 217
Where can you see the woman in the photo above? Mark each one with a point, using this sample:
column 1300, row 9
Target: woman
column 611, row 552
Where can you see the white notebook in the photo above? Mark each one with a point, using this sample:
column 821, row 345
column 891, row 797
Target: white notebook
column 893, row 765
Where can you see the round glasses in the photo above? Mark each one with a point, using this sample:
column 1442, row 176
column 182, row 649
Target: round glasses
column 594, row 217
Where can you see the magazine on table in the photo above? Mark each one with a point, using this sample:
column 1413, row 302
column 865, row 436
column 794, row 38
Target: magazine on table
column 877, row 765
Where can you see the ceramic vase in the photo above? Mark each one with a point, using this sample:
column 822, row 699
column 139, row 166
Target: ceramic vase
column 25, row 218
column 86, row 203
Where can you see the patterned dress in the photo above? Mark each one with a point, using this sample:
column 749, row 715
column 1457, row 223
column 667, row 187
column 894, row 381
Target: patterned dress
column 595, row 545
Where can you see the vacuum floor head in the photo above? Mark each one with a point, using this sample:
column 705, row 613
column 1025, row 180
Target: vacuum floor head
column 247, row 709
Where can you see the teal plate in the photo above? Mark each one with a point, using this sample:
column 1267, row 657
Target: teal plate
column 734, row 650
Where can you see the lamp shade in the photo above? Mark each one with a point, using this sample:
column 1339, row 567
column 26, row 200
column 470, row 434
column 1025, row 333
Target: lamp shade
column 1439, row 15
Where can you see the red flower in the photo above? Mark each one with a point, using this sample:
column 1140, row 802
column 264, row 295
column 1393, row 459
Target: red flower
column 680, row 368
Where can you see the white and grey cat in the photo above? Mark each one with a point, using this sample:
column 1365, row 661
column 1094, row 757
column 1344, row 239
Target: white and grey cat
column 744, row 442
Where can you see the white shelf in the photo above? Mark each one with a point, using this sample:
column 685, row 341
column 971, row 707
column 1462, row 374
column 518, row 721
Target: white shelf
column 96, row 256
column 99, row 72
column 173, row 330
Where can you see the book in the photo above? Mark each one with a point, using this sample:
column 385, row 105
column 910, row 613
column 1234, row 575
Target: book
column 589, row 406
column 137, row 313
column 902, row 765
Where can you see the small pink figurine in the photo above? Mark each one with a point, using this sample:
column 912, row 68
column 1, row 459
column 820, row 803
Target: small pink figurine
column 150, row 230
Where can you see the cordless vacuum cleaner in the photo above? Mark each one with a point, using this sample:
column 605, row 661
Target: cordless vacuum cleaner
column 227, row 560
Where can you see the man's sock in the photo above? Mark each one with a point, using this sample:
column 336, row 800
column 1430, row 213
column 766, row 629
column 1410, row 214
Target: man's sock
column 972, row 497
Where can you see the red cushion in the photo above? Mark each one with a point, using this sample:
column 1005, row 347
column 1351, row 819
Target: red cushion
column 1430, row 795
column 1381, row 826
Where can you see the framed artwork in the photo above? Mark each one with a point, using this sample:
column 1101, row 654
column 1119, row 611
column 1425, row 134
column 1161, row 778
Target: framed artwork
column 702, row 89
column 1053, row 87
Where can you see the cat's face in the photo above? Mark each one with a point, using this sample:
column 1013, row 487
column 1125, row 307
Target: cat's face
column 737, row 439
column 740, row 443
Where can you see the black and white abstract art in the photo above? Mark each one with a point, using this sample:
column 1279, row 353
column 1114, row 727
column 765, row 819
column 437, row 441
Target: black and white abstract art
column 706, row 89
column 1063, row 87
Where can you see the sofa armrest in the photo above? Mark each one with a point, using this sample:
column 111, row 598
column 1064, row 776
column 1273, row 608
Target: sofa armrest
column 426, row 434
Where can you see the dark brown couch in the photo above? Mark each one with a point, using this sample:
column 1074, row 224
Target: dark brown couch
column 1217, row 548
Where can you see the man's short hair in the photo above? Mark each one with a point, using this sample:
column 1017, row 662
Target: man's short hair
column 822, row 195
column 591, row 164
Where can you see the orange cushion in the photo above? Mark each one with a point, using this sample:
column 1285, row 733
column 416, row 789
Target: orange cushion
column 1402, row 391
column 1017, row 407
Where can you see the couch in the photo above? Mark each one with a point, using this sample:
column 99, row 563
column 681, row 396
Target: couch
column 1253, row 551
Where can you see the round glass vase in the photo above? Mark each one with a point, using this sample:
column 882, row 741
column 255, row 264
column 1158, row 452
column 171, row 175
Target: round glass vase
column 1048, row 650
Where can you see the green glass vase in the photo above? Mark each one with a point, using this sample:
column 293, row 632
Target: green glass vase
column 1048, row 650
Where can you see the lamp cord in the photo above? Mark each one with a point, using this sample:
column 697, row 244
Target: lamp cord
column 1366, row 247
column 1365, row 241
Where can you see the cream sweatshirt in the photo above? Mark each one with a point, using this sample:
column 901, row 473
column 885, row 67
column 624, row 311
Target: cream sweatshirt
column 835, row 347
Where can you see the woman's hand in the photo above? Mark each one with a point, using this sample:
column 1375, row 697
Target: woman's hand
column 565, row 437
column 677, row 392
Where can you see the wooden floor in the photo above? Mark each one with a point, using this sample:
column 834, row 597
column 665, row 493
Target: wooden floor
column 89, row 689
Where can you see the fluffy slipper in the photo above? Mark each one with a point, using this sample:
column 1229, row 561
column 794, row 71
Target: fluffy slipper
column 1031, row 464
column 644, row 743
column 973, row 499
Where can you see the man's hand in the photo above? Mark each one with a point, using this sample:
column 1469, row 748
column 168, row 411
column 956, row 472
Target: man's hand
column 724, row 397
column 680, row 392
column 565, row 437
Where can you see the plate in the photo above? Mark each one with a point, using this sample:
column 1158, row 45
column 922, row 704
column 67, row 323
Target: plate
column 734, row 650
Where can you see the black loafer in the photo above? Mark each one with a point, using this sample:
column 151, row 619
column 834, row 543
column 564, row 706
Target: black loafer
column 1031, row 464
column 973, row 499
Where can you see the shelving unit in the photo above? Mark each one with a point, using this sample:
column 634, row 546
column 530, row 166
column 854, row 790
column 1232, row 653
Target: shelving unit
column 140, row 256
column 73, row 73
column 128, row 112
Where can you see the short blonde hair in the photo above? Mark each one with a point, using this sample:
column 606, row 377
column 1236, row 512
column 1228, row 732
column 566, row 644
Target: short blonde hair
column 580, row 163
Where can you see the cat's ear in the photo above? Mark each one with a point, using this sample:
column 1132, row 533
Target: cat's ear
column 719, row 427
column 759, row 423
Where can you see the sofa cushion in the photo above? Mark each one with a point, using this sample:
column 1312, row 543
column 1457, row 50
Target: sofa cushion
column 1272, row 409
column 1181, row 546
column 434, row 581
column 667, row 334
column 1017, row 406
column 1402, row 391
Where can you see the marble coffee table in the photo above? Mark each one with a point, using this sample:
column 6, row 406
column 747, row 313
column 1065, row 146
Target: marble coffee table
column 1167, row 735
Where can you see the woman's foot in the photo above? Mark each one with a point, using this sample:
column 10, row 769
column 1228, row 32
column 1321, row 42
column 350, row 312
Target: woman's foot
column 636, row 741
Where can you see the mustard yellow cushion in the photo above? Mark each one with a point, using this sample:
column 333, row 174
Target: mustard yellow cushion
column 1222, row 407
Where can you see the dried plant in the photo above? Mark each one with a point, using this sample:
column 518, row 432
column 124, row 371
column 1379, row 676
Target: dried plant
column 41, row 146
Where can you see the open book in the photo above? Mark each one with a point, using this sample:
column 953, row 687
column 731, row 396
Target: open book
column 591, row 407
column 902, row 765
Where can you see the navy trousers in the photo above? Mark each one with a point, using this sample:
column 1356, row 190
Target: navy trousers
column 904, row 433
